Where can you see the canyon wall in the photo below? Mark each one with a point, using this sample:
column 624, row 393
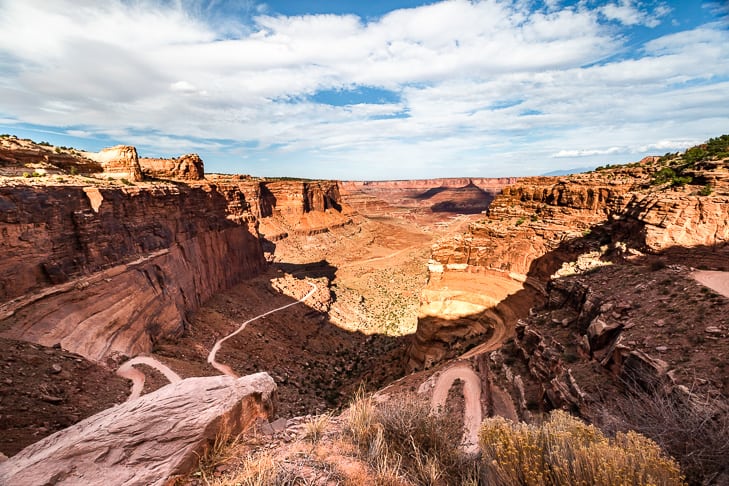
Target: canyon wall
column 553, row 226
column 300, row 207
column 106, row 269
column 101, row 270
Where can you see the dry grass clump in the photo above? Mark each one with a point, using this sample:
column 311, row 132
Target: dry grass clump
column 406, row 444
column 565, row 450
column 692, row 427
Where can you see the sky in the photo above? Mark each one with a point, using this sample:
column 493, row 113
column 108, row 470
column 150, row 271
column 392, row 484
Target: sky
column 378, row 89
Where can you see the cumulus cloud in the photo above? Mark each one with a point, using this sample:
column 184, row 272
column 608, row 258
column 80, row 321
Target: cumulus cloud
column 485, row 84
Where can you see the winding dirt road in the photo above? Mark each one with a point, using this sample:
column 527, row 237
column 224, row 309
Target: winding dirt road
column 472, row 414
column 127, row 370
column 138, row 378
column 225, row 369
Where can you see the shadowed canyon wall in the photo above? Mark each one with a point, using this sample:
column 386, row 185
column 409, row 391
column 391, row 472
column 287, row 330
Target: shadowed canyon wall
column 113, row 269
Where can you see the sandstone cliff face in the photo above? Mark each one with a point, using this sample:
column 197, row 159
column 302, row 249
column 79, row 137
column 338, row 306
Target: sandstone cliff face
column 670, row 220
column 298, row 207
column 104, row 270
column 120, row 161
column 187, row 167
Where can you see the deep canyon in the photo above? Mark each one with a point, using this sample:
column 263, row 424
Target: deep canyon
column 555, row 292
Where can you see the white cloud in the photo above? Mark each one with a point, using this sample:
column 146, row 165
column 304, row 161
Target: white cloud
column 628, row 12
column 484, row 83
column 583, row 153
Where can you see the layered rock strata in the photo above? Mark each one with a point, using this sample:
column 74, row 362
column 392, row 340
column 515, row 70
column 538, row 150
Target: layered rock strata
column 103, row 270
column 120, row 161
column 535, row 226
column 18, row 156
column 148, row 440
column 303, row 208
column 456, row 195
column 188, row 167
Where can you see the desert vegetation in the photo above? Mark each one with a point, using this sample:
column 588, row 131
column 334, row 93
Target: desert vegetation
column 402, row 443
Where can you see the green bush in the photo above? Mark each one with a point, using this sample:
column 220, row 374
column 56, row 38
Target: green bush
column 566, row 451
column 671, row 176
column 706, row 190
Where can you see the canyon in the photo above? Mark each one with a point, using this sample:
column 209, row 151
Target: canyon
column 539, row 293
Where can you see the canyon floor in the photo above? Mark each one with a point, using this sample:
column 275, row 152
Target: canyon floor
column 351, row 333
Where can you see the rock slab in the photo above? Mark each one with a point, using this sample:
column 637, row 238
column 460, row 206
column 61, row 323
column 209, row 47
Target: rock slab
column 148, row 440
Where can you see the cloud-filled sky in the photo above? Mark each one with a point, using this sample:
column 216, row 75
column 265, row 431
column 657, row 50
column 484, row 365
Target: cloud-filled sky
column 382, row 89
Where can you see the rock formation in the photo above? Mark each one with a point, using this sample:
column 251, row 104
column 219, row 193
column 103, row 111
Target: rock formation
column 298, row 207
column 457, row 195
column 188, row 167
column 120, row 161
column 18, row 156
column 149, row 440
column 536, row 225
column 104, row 269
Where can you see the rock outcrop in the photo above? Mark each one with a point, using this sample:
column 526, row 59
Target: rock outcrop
column 301, row 208
column 21, row 155
column 145, row 441
column 188, row 167
column 120, row 161
column 536, row 225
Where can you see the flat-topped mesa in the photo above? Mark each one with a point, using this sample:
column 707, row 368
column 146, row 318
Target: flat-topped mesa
column 188, row 167
column 120, row 162
column 454, row 195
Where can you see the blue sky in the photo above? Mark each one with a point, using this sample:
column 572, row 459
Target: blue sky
column 369, row 90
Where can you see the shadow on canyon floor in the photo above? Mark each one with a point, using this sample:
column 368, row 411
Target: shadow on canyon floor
column 316, row 365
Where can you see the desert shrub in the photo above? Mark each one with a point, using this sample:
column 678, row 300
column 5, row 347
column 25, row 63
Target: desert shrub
column 405, row 440
column 564, row 450
column 315, row 428
column 718, row 147
column 692, row 428
column 672, row 176
column 706, row 190
column 260, row 470
column 520, row 221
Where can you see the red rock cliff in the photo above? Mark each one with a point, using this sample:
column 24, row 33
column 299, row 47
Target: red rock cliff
column 113, row 269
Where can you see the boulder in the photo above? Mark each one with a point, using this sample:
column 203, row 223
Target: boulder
column 148, row 440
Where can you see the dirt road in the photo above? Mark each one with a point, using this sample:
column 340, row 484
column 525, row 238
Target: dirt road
column 472, row 397
column 138, row 378
column 128, row 371
column 715, row 280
